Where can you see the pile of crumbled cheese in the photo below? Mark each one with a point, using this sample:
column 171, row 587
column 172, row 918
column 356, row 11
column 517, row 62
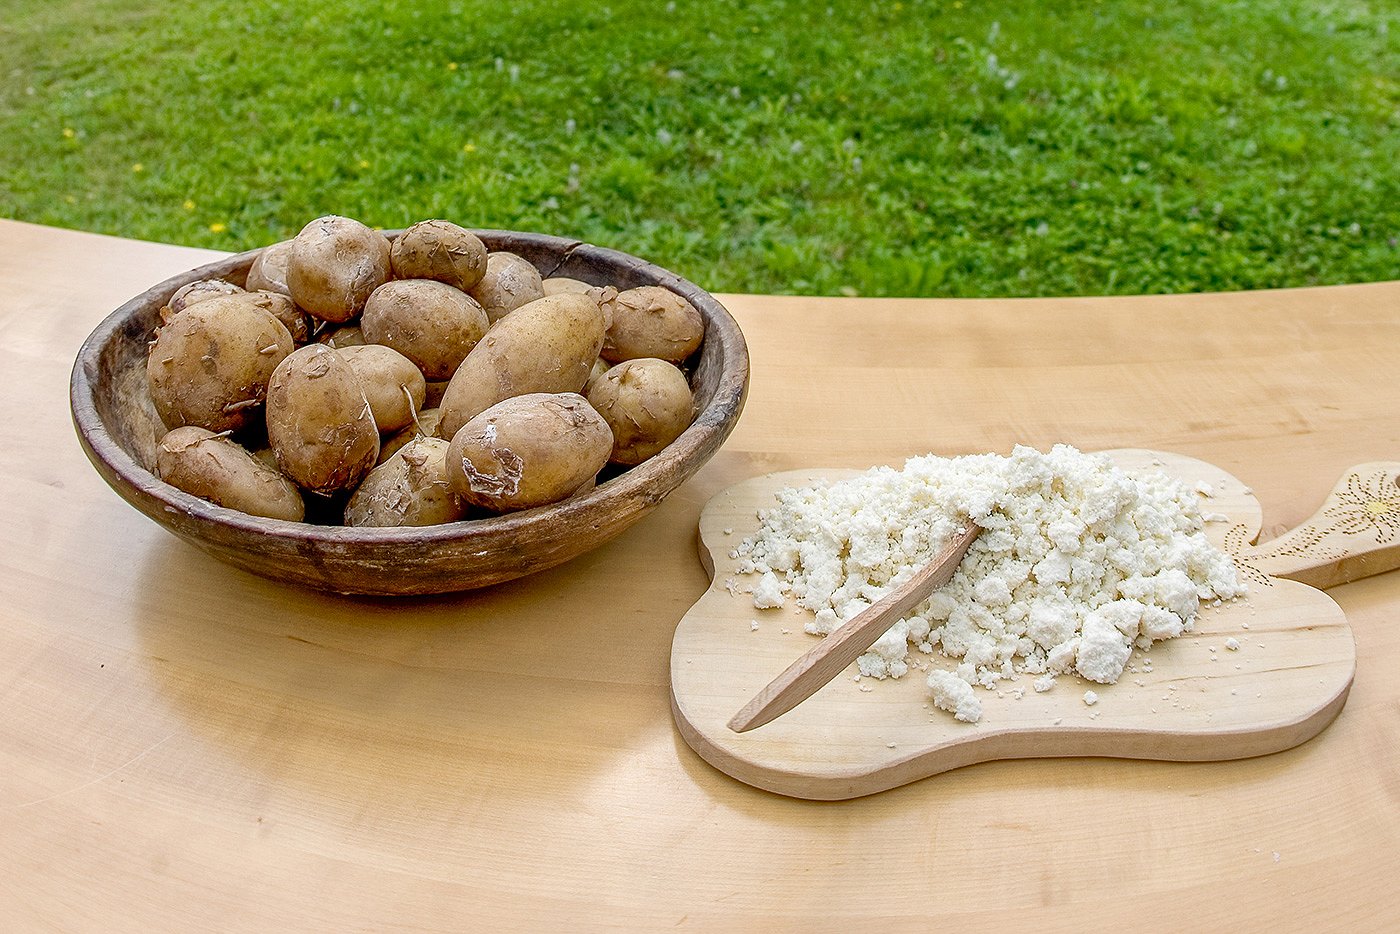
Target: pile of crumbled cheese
column 1077, row 563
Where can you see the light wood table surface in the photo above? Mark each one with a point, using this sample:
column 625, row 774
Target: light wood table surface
column 187, row 747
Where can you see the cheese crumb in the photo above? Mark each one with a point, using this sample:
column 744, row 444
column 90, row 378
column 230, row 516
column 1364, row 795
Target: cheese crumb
column 954, row 695
column 1078, row 562
column 753, row 625
column 1232, row 644
column 1091, row 698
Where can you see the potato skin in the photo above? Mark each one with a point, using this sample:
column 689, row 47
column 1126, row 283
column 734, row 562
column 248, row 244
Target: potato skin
column 193, row 293
column 429, row 322
column 438, row 249
column 651, row 321
column 216, row 469
column 384, row 375
column 548, row 345
column 269, row 270
column 426, row 426
column 647, row 404
column 297, row 322
column 556, row 284
column 528, row 451
column 211, row 364
column 335, row 264
column 510, row 282
column 408, row 489
column 339, row 338
column 319, row 422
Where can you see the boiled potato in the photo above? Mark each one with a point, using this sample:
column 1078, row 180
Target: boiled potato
column 647, row 404
column 334, row 265
column 297, row 322
column 393, row 386
column 528, row 451
column 651, row 321
column 429, row 322
column 212, row 467
column 349, row 335
column 600, row 366
column 556, row 284
column 509, row 282
column 409, row 489
column 319, row 422
column 211, row 364
column 194, row 292
column 439, row 250
column 548, row 345
column 269, row 270
column 425, row 426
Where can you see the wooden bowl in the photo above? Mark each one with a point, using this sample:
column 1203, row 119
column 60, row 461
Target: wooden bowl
column 119, row 429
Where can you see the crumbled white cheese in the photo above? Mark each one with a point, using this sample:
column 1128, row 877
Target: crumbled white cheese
column 1091, row 698
column 1232, row 644
column 954, row 695
column 1044, row 683
column 768, row 592
column 1077, row 562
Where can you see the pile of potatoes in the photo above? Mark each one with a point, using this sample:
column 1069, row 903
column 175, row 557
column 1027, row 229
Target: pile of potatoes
column 412, row 382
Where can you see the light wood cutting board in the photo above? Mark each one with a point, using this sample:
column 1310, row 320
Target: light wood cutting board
column 1287, row 681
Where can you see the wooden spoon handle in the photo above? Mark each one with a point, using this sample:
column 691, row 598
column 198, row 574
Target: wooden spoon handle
column 845, row 644
column 1355, row 533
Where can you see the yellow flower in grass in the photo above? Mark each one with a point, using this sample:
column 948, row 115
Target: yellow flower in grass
column 218, row 227
column 137, row 167
column 188, row 205
column 1368, row 505
column 68, row 132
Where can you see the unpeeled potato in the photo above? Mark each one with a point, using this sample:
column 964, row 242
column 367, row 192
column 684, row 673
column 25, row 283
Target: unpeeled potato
column 219, row 470
column 211, row 364
column 440, row 250
column 528, row 451
column 548, row 345
column 430, row 322
column 319, row 422
column 334, row 265
column 646, row 403
column 510, row 282
column 408, row 489
column 269, row 270
column 393, row 386
column 651, row 321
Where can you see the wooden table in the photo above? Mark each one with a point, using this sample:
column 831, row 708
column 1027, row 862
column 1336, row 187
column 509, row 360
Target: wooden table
column 184, row 746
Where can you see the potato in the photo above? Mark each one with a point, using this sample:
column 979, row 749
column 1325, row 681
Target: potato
column 651, row 321
column 409, row 489
column 556, row 284
column 297, row 322
column 269, row 270
column 548, row 345
column 426, row 426
column 393, row 386
column 439, row 250
column 319, row 422
column 211, row 364
column 339, row 338
column 429, row 322
column 193, row 293
column 600, row 366
column 647, row 404
column 528, row 451
column 216, row 469
column 510, row 282
column 334, row 265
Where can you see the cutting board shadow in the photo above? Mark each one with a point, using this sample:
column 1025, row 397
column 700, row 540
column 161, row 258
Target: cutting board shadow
column 1197, row 699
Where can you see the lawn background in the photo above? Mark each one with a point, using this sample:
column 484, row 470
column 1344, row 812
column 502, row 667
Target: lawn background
column 894, row 148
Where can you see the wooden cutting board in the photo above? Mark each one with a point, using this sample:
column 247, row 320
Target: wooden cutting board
column 1200, row 700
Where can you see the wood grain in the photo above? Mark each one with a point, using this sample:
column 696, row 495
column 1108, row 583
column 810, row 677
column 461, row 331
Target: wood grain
column 1190, row 698
column 186, row 746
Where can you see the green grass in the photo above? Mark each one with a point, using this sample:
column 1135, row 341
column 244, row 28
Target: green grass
column 981, row 147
